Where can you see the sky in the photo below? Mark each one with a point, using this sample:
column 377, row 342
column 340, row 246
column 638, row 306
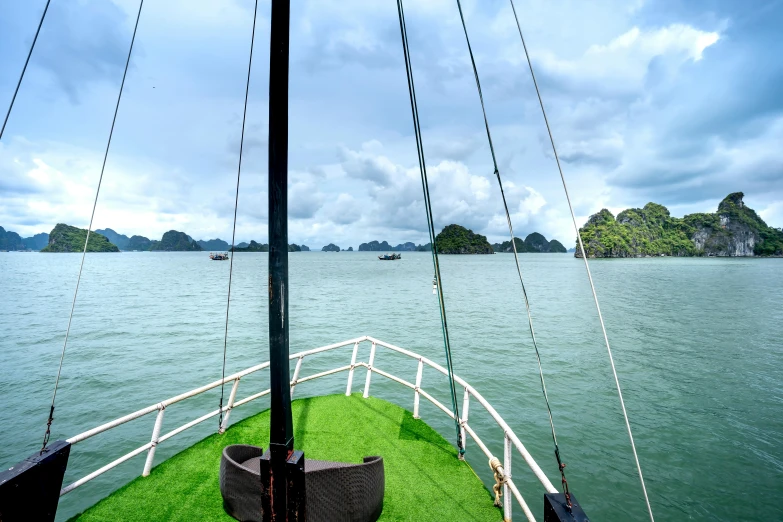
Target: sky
column 673, row 101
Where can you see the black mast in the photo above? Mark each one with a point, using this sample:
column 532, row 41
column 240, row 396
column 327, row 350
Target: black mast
column 282, row 468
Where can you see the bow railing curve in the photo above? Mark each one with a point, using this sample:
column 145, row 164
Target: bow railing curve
column 510, row 440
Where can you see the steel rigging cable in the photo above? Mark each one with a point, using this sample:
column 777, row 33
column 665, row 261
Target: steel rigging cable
column 430, row 223
column 587, row 265
column 236, row 204
column 561, row 466
column 87, row 239
column 27, row 61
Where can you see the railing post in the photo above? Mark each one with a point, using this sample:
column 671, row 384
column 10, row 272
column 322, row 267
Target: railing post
column 464, row 420
column 350, row 372
column 369, row 372
column 296, row 374
column 507, row 452
column 154, row 441
column 416, row 395
column 230, row 405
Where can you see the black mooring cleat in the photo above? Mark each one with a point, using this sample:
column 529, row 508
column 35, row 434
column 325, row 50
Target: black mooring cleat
column 30, row 490
column 556, row 509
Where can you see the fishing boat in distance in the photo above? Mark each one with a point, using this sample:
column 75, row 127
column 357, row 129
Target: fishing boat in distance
column 218, row 256
column 387, row 257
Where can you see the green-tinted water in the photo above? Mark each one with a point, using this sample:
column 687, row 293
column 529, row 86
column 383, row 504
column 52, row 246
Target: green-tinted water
column 697, row 345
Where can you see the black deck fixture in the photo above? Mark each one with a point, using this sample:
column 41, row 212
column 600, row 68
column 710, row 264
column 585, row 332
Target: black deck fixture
column 30, row 490
column 282, row 468
column 556, row 509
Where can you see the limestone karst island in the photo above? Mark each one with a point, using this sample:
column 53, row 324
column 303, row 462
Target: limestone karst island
column 734, row 230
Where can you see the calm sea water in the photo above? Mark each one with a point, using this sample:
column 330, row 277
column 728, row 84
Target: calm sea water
column 697, row 343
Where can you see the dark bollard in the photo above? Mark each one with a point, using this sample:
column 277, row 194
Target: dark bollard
column 31, row 489
column 556, row 509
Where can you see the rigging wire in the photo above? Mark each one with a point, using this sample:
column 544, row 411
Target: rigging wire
column 430, row 222
column 87, row 239
column 236, row 205
column 560, row 464
column 587, row 265
column 27, row 61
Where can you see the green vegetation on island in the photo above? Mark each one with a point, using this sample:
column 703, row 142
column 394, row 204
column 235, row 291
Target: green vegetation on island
column 253, row 247
column 533, row 243
column 139, row 243
column 734, row 230
column 455, row 239
column 175, row 241
column 65, row 238
column 172, row 241
column 331, row 247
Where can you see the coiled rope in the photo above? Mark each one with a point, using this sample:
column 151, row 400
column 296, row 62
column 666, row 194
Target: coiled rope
column 27, row 61
column 587, row 265
column 87, row 239
column 430, row 223
column 236, row 205
column 500, row 479
column 561, row 466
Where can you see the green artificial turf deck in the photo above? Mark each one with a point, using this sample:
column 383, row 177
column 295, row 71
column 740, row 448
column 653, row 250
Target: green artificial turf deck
column 424, row 478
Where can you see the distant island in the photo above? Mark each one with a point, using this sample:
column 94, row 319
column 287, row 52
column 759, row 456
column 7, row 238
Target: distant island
column 455, row 239
column 533, row 243
column 175, row 241
column 735, row 230
column 12, row 241
column 213, row 244
column 252, row 247
column 65, row 238
column 331, row 247
column 383, row 246
column 172, row 241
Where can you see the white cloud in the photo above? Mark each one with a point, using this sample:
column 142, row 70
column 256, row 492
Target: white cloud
column 622, row 64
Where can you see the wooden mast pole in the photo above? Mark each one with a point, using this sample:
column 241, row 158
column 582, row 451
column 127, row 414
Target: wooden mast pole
column 282, row 469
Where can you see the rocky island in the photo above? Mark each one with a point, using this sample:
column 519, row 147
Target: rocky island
column 533, row 243
column 10, row 240
column 455, row 239
column 121, row 240
column 734, row 230
column 65, row 238
column 175, row 241
column 331, row 247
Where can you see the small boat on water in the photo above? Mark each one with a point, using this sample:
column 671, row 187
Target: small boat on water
column 387, row 257
column 218, row 256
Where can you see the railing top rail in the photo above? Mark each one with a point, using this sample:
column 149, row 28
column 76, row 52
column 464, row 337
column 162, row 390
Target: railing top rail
column 238, row 375
column 177, row 398
column 487, row 406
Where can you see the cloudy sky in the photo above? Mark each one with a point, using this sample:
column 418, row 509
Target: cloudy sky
column 674, row 101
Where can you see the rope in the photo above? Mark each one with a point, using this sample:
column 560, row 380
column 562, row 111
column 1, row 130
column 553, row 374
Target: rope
column 500, row 479
column 587, row 265
column 236, row 205
column 430, row 222
column 560, row 465
column 27, row 61
column 87, row 239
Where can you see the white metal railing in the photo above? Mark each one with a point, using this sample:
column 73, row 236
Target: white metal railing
column 510, row 440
